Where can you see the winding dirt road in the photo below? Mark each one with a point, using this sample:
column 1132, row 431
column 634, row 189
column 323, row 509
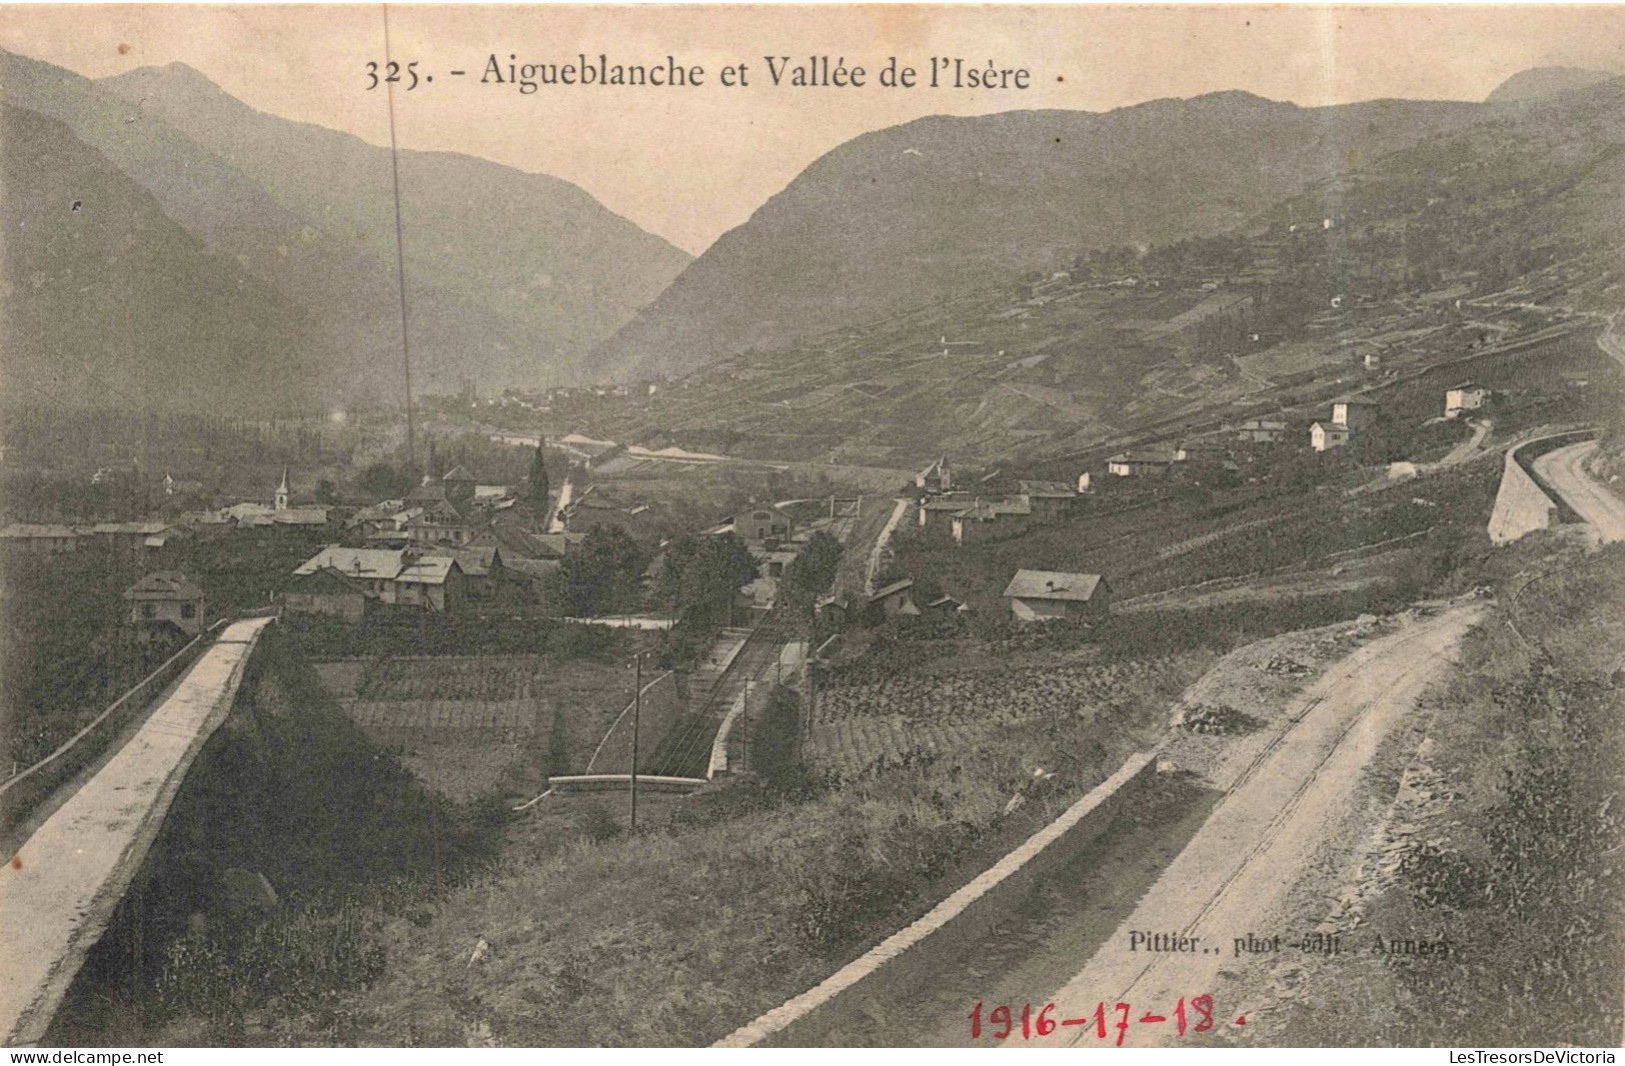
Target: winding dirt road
column 1565, row 472
column 1231, row 880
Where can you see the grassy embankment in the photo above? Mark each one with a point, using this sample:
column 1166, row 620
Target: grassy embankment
column 263, row 895
column 1506, row 843
column 746, row 898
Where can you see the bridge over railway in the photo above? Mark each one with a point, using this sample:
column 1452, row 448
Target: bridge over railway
column 59, row 891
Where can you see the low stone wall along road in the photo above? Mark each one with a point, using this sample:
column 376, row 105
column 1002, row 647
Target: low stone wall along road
column 58, row 892
column 1564, row 469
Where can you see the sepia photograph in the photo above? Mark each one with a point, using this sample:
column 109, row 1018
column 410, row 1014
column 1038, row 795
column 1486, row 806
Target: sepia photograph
column 790, row 526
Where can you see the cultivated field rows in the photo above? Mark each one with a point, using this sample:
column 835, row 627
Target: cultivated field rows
column 509, row 718
column 857, row 726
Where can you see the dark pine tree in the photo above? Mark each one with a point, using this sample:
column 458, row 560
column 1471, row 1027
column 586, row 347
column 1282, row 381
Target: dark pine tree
column 536, row 493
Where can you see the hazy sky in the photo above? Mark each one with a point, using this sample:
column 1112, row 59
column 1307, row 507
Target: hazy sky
column 689, row 164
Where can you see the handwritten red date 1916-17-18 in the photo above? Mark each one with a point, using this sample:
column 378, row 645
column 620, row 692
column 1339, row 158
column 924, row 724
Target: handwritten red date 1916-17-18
column 1002, row 1022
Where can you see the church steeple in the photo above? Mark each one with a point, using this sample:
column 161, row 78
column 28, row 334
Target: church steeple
column 282, row 492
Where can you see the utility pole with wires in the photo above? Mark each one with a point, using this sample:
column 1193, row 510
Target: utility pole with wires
column 637, row 712
column 400, row 264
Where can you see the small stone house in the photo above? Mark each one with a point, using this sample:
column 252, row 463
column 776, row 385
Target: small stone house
column 324, row 592
column 936, row 515
column 460, row 487
column 166, row 597
column 1131, row 464
column 1261, row 431
column 1044, row 595
column 895, row 600
column 1324, row 437
column 1464, row 397
column 1048, row 499
column 986, row 520
column 762, row 523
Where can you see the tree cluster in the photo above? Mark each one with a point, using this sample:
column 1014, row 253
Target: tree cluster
column 812, row 572
column 600, row 577
column 701, row 575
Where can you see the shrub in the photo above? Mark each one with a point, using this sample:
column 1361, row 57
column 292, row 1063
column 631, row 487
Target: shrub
column 776, row 742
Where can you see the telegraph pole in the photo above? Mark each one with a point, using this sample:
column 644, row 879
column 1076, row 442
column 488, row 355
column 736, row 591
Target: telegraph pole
column 400, row 266
column 637, row 712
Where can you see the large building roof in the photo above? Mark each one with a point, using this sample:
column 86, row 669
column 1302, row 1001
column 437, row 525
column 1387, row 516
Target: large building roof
column 129, row 529
column 476, row 560
column 164, row 585
column 27, row 531
column 1052, row 585
column 300, row 516
column 355, row 562
column 989, row 510
column 326, row 581
column 392, row 564
column 942, row 503
column 429, row 570
column 1046, row 489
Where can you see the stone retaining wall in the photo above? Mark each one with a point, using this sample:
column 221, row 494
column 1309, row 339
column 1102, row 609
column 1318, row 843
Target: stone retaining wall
column 910, row 956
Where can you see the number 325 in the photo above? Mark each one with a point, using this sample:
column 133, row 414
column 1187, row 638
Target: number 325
column 392, row 73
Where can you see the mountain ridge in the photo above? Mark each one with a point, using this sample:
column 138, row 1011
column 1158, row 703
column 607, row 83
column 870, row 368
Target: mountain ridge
column 512, row 245
column 1538, row 82
column 110, row 303
column 512, row 277
column 864, row 226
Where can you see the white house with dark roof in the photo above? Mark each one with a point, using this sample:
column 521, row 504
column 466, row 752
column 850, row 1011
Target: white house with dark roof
column 439, row 522
column 1325, row 436
column 1045, row 595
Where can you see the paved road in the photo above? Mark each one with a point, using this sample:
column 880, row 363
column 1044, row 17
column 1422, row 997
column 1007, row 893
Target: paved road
column 59, row 891
column 1563, row 471
column 1233, row 876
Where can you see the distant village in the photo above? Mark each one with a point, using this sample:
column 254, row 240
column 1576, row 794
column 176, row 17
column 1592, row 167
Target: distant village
column 453, row 545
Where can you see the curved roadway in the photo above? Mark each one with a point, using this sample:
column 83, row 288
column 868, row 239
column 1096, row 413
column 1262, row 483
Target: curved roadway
column 1565, row 472
column 1233, row 877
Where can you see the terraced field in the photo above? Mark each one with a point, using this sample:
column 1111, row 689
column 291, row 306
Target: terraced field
column 863, row 726
column 467, row 724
